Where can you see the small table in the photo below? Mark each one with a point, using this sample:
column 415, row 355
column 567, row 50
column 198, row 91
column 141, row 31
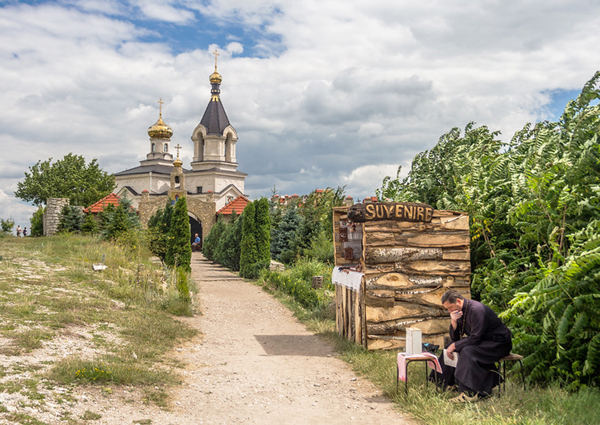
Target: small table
column 404, row 360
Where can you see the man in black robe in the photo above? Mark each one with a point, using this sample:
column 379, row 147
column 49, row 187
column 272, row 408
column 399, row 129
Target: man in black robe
column 486, row 341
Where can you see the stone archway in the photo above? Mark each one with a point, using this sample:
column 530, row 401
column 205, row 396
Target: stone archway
column 195, row 227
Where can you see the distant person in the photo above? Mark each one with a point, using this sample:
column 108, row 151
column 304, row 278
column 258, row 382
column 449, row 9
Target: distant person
column 196, row 244
column 24, row 231
column 18, row 231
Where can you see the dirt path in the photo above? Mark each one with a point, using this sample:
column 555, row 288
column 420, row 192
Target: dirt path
column 256, row 364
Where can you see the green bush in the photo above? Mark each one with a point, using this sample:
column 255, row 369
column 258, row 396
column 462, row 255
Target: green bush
column 297, row 282
column 37, row 222
column 7, row 225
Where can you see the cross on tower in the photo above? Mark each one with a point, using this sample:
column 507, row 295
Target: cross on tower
column 160, row 102
column 177, row 147
column 216, row 53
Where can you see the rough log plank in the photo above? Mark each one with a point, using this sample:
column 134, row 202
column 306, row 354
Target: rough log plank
column 419, row 240
column 392, row 255
column 456, row 254
column 428, row 326
column 395, row 281
column 454, row 223
column 402, row 311
column 378, row 342
column 357, row 321
column 430, row 296
column 459, row 268
column 374, row 343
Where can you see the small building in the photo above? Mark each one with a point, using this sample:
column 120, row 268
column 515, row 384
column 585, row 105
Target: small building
column 393, row 263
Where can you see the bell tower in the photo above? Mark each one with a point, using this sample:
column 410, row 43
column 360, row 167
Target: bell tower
column 160, row 140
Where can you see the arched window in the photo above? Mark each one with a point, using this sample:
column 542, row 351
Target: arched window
column 153, row 147
column 166, row 148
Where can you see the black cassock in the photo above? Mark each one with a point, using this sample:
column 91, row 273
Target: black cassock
column 487, row 341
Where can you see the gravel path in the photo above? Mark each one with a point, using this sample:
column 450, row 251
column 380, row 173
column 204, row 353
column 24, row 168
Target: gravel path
column 254, row 364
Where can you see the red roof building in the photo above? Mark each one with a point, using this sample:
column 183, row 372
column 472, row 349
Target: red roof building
column 99, row 206
column 238, row 204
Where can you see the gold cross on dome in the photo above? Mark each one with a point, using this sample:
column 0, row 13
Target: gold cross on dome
column 216, row 53
column 160, row 102
column 177, row 147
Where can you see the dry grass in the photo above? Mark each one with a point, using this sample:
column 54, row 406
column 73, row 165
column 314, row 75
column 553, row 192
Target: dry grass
column 65, row 325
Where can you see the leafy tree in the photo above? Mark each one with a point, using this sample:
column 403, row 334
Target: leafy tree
column 248, row 254
column 534, row 207
column 70, row 177
column 7, row 225
column 37, row 222
column 179, row 248
column 71, row 219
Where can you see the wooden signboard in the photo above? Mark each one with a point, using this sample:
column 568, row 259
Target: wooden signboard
column 410, row 255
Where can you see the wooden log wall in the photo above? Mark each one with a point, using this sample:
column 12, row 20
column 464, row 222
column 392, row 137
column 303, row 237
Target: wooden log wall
column 407, row 266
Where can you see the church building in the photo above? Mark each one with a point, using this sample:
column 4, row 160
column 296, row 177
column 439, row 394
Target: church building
column 211, row 184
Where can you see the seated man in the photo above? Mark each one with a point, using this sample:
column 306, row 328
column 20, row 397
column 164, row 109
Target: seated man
column 196, row 244
column 486, row 341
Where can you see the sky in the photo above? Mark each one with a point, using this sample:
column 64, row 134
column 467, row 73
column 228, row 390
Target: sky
column 322, row 93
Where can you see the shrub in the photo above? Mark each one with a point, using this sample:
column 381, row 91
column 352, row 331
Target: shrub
column 7, row 225
column 71, row 219
column 37, row 222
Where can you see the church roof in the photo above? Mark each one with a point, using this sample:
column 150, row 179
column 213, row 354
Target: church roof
column 99, row 206
column 157, row 168
column 215, row 119
column 238, row 204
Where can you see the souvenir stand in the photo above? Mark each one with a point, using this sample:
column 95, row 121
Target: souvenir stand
column 393, row 263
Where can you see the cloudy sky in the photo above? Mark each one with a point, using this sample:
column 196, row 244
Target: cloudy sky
column 322, row 93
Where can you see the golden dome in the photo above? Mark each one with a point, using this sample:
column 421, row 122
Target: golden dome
column 215, row 77
column 178, row 162
column 160, row 130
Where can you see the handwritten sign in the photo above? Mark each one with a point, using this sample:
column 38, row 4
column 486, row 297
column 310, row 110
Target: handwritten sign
column 399, row 211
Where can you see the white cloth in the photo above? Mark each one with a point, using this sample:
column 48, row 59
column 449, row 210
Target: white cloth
column 348, row 278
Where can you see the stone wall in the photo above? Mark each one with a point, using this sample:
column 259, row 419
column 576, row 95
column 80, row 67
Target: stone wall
column 52, row 214
column 204, row 211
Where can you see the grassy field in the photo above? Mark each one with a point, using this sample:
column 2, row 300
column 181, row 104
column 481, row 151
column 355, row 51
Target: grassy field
column 65, row 325
column 537, row 405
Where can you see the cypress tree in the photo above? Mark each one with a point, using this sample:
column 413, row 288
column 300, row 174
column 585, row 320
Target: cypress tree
column 248, row 254
column 263, row 233
column 209, row 247
column 179, row 248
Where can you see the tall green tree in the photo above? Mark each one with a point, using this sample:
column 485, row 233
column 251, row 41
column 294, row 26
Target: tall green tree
column 179, row 248
column 263, row 233
column 70, row 177
column 248, row 254
column 211, row 241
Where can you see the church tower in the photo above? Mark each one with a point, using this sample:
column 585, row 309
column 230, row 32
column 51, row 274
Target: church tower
column 160, row 139
column 214, row 164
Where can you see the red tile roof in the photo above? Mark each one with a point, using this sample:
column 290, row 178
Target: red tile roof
column 238, row 204
column 99, row 206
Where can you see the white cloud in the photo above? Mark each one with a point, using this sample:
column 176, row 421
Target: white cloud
column 321, row 92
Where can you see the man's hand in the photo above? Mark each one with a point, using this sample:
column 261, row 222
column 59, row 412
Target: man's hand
column 454, row 316
column 451, row 348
